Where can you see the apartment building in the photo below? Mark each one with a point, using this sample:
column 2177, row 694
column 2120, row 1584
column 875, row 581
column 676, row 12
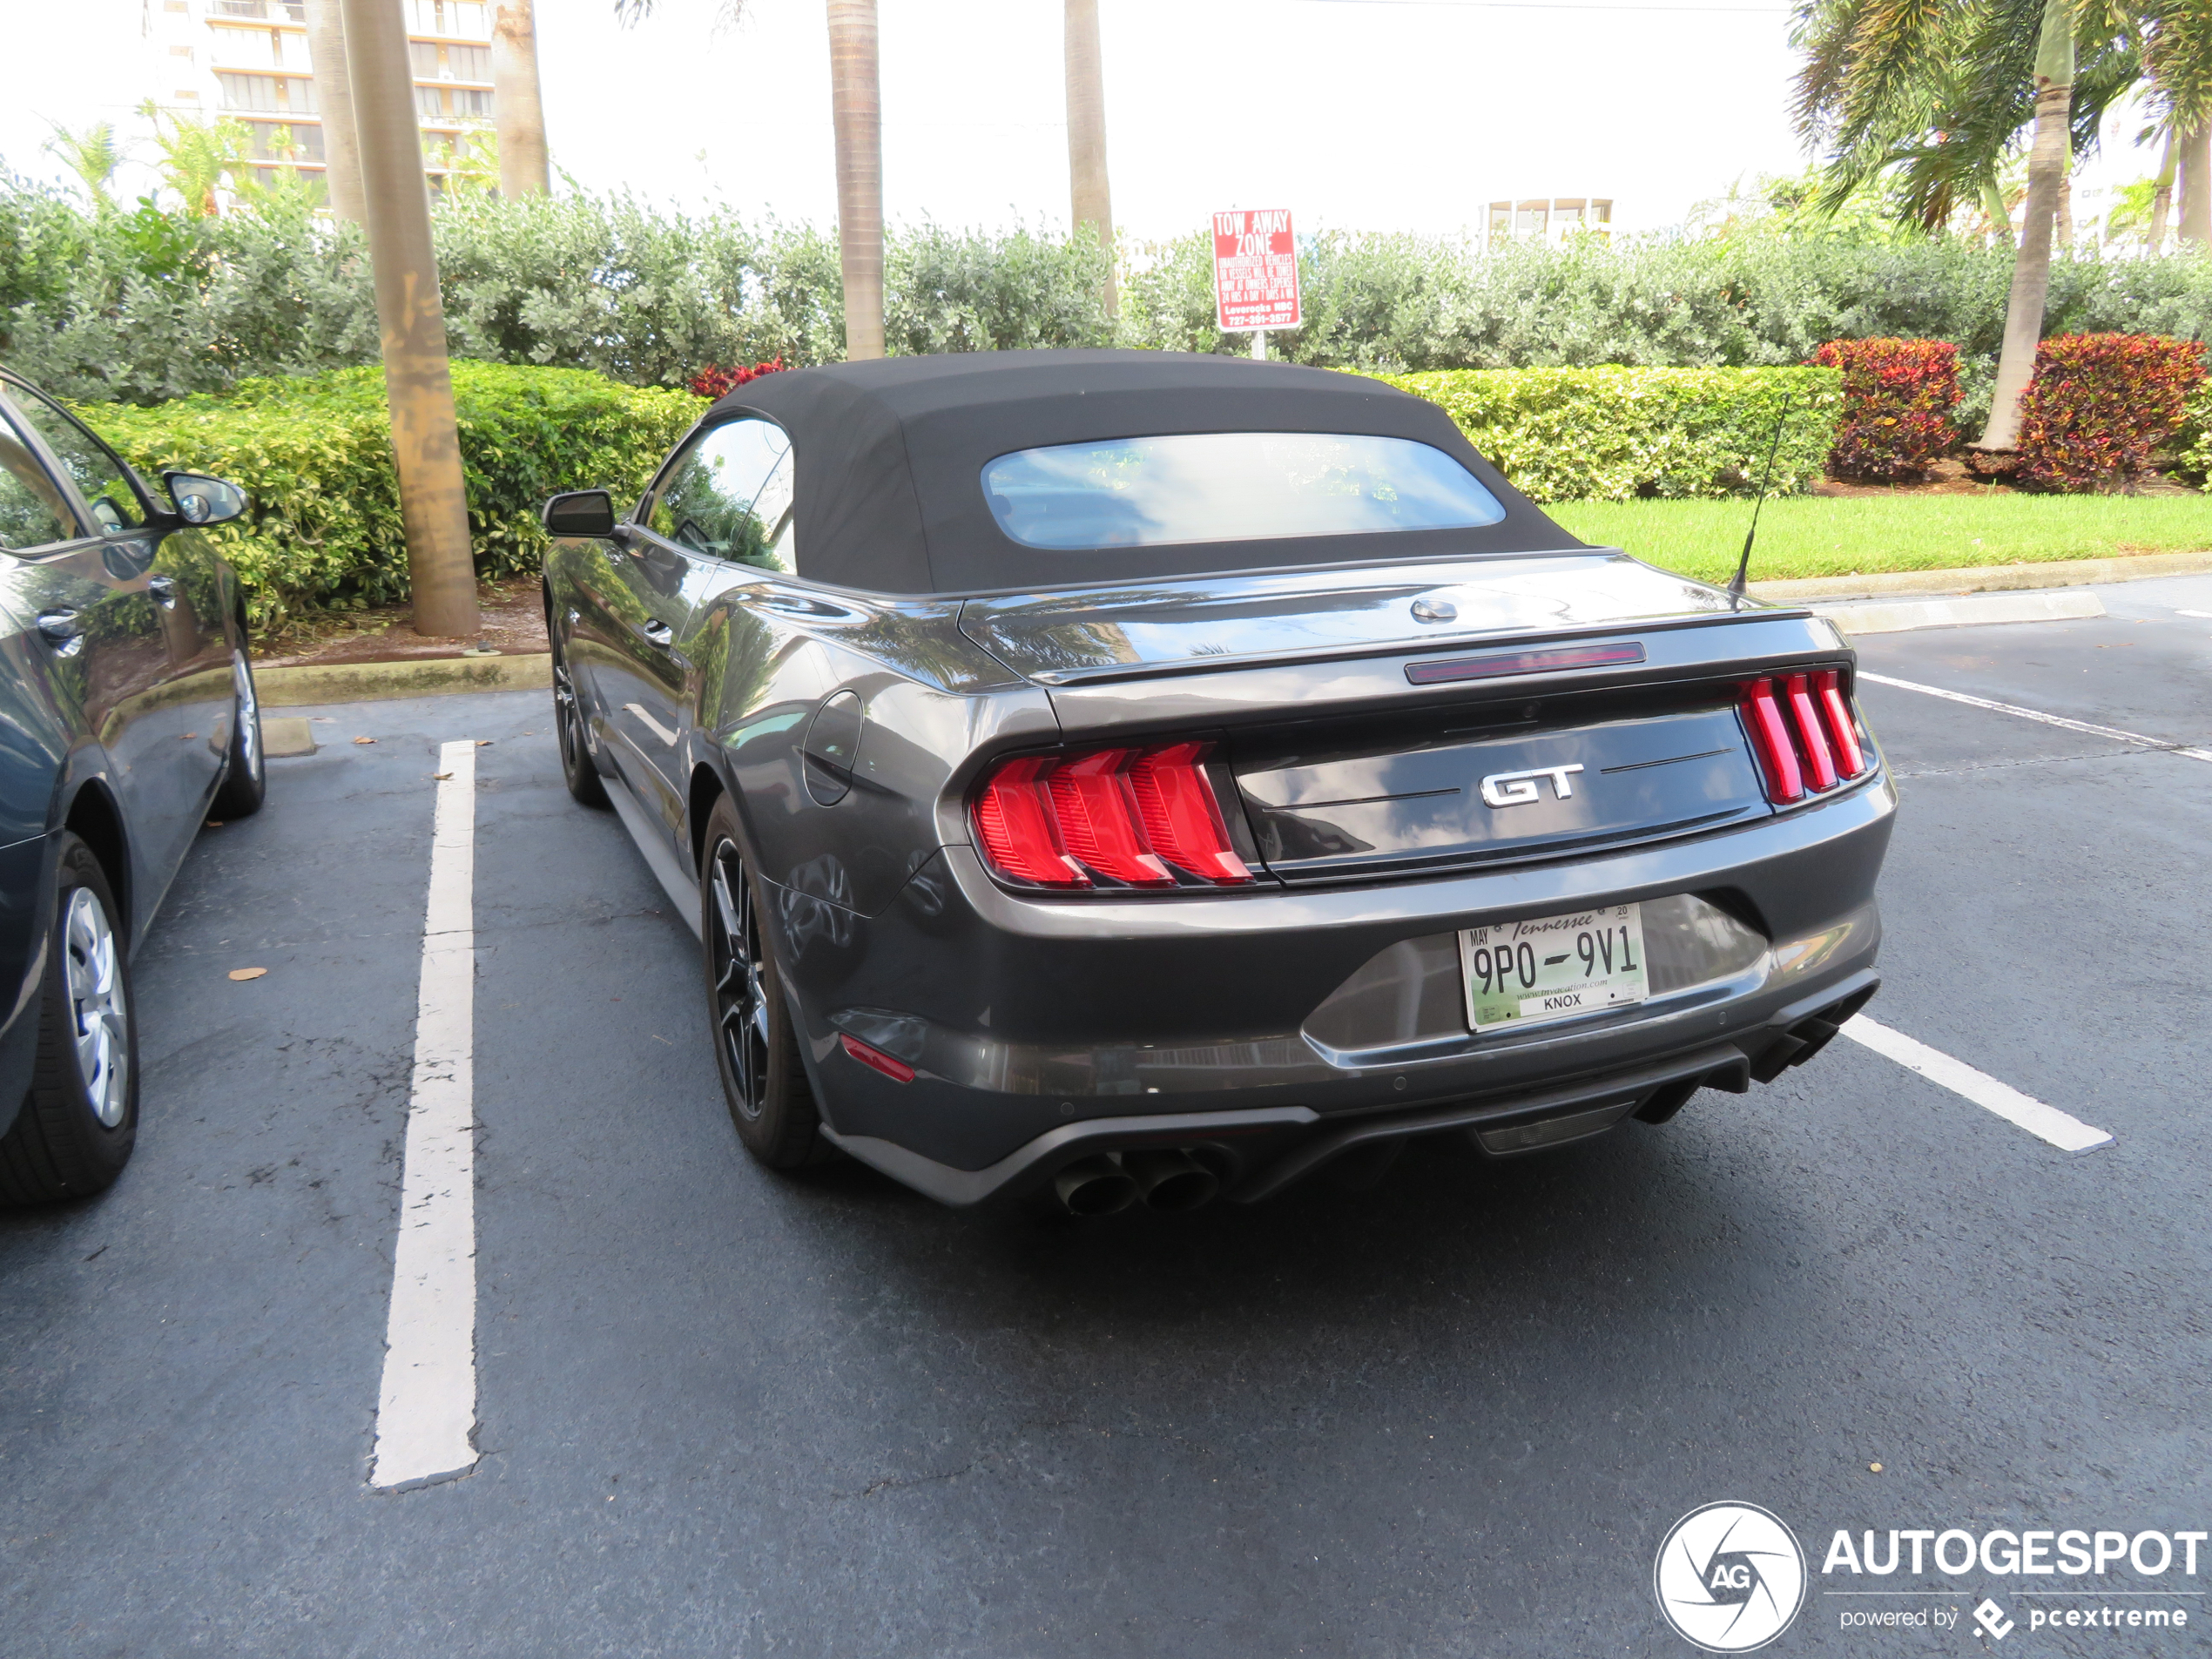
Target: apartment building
column 247, row 61
column 1549, row 219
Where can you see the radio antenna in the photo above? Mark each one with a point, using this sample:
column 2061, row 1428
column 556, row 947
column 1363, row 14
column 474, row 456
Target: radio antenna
column 1740, row 586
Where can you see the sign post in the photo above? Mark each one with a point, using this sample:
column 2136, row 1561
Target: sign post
column 1255, row 273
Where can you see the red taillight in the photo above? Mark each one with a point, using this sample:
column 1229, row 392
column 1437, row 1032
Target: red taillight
column 1175, row 804
column 1812, row 742
column 1014, row 821
column 1805, row 734
column 1828, row 687
column 1126, row 816
column 1777, row 755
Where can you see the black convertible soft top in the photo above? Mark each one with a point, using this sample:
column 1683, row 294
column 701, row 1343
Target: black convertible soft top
column 890, row 457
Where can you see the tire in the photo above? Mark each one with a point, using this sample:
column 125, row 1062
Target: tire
column 756, row 1042
column 245, row 772
column 576, row 768
column 80, row 1118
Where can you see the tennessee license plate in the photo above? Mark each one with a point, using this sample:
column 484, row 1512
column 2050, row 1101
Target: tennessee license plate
column 1554, row 967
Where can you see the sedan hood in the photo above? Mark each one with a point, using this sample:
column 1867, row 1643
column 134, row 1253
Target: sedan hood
column 1218, row 621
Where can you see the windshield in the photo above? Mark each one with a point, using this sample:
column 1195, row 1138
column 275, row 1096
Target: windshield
column 1230, row 487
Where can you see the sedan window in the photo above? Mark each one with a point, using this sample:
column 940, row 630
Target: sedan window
column 728, row 495
column 101, row 478
column 1230, row 487
column 33, row 511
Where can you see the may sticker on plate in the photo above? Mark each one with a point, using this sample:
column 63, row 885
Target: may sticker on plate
column 1553, row 968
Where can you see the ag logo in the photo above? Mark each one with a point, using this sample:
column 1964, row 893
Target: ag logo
column 1729, row 1577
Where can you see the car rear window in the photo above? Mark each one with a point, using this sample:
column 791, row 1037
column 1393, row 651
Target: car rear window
column 1230, row 487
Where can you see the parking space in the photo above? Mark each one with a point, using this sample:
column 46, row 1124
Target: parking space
column 722, row 1412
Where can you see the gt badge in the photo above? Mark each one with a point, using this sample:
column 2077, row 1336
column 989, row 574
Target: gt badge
column 1514, row 788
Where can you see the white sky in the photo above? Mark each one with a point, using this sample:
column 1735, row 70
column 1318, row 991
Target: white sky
column 1366, row 114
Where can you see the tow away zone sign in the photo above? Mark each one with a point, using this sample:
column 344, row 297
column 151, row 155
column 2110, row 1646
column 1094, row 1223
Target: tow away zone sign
column 1255, row 270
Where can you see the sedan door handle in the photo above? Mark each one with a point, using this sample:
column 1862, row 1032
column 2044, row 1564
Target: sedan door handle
column 163, row 589
column 659, row 632
column 62, row 628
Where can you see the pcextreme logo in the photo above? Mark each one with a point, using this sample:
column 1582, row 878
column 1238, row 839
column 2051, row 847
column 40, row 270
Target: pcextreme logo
column 1729, row 1577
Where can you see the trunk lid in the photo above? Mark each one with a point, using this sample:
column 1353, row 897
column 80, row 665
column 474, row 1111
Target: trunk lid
column 1207, row 623
column 1531, row 707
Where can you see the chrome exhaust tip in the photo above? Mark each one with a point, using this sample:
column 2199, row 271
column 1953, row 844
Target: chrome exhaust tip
column 1095, row 1186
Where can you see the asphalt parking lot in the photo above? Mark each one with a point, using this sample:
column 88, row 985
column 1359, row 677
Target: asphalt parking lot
column 724, row 1414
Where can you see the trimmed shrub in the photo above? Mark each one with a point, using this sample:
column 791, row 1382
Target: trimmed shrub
column 315, row 453
column 717, row 381
column 143, row 305
column 2193, row 444
column 1897, row 399
column 1613, row 433
column 2098, row 404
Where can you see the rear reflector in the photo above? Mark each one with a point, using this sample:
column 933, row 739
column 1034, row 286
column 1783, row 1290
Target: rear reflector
column 1522, row 662
column 1803, row 732
column 1134, row 817
column 898, row 1071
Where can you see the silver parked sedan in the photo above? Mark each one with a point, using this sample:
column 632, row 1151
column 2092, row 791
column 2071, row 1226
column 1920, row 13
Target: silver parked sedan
column 1112, row 776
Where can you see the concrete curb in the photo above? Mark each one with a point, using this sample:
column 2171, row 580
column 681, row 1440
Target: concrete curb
column 1990, row 578
column 1961, row 613
column 291, row 688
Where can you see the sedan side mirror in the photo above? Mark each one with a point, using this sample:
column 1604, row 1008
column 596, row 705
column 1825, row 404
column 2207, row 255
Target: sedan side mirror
column 201, row 500
column 581, row 512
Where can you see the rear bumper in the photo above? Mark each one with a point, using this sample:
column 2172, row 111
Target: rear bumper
column 1040, row 1032
column 1256, row 1152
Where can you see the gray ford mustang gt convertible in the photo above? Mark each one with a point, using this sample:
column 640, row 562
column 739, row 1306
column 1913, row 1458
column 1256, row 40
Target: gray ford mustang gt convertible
column 1102, row 776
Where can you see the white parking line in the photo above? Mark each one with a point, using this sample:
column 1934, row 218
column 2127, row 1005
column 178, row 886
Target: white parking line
column 2062, row 1129
column 2060, row 721
column 427, row 1410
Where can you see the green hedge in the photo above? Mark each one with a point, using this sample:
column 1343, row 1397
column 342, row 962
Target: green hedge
column 2193, row 444
column 315, row 453
column 1616, row 434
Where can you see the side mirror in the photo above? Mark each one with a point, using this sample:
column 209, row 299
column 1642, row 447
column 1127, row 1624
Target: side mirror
column 202, row 500
column 581, row 512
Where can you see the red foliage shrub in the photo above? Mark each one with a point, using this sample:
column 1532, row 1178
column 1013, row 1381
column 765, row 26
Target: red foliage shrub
column 717, row 381
column 1897, row 396
column 2100, row 404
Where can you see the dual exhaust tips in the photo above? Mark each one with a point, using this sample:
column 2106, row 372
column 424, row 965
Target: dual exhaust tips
column 1162, row 1179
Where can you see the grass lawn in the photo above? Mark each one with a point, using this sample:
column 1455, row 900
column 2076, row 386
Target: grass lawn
column 1807, row 536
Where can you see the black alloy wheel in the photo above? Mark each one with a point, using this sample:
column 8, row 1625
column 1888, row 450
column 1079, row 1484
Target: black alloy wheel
column 245, row 774
column 756, row 1041
column 577, row 770
column 80, row 1118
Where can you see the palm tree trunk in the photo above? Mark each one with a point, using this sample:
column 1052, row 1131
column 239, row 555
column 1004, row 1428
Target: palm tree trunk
column 342, row 155
column 2161, row 200
column 2032, row 265
column 1093, row 200
column 518, row 113
column 2196, row 186
column 418, row 382
column 856, row 116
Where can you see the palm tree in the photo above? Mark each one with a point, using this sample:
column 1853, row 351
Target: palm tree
column 200, row 160
column 1939, row 91
column 856, row 118
column 341, row 156
column 93, row 155
column 524, row 168
column 2177, row 53
column 1093, row 201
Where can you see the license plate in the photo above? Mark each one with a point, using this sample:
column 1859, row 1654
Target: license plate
column 1553, row 968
